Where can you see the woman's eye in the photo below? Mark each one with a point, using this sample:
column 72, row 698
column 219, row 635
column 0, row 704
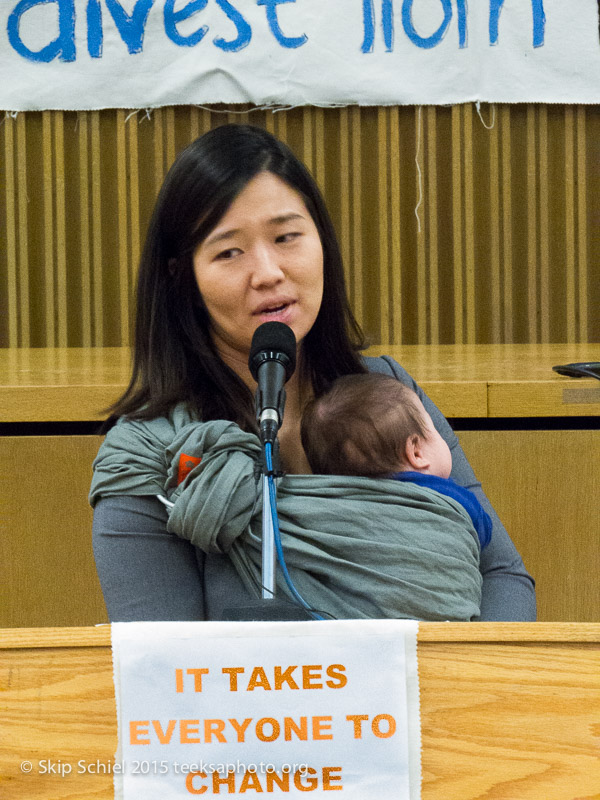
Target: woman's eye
column 226, row 255
column 288, row 237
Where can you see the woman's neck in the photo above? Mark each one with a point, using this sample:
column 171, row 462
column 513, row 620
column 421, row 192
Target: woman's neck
column 293, row 458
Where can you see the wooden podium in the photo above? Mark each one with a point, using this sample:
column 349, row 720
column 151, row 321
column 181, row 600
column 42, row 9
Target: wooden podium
column 509, row 711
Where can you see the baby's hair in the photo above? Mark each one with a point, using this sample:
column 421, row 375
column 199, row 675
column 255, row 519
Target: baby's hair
column 360, row 426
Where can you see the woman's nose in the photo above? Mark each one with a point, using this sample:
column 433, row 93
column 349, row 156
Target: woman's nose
column 266, row 267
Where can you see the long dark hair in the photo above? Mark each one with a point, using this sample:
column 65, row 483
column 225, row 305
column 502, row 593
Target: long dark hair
column 175, row 359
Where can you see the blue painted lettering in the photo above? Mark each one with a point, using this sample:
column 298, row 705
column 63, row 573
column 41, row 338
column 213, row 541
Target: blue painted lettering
column 244, row 30
column 284, row 41
column 387, row 21
column 172, row 17
column 430, row 41
column 387, row 24
column 461, row 7
column 131, row 27
column 539, row 21
column 368, row 26
column 94, row 28
column 63, row 47
column 495, row 9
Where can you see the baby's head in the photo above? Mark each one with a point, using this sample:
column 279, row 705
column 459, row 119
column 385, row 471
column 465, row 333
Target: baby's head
column 372, row 425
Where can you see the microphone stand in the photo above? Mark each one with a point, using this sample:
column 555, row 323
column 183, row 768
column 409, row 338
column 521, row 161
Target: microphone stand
column 268, row 532
column 268, row 608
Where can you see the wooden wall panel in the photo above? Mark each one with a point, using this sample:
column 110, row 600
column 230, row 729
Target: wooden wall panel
column 551, row 513
column 47, row 570
column 457, row 225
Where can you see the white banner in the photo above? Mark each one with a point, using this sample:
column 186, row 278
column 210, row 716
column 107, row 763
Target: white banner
column 281, row 707
column 91, row 54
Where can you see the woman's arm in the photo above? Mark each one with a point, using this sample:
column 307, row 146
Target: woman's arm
column 145, row 572
column 508, row 589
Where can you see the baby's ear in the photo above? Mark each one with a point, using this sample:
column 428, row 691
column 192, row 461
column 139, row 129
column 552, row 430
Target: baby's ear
column 414, row 456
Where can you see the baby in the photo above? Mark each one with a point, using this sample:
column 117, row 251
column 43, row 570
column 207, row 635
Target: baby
column 374, row 426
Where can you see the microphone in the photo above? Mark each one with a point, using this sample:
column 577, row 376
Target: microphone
column 272, row 362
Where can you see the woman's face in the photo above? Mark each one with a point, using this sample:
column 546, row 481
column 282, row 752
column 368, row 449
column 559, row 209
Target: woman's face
column 263, row 262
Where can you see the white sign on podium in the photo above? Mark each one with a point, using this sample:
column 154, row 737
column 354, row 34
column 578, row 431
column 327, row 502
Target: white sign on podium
column 281, row 708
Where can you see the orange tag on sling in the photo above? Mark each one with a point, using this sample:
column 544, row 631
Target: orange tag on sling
column 186, row 465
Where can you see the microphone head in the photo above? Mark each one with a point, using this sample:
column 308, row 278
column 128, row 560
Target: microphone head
column 273, row 341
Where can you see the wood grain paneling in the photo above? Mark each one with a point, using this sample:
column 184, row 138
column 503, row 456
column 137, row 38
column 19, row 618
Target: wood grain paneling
column 507, row 712
column 457, row 225
column 48, row 575
column 544, row 487
column 77, row 383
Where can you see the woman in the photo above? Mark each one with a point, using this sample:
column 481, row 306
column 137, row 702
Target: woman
column 240, row 235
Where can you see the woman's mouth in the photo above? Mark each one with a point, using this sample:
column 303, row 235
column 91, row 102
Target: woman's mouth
column 275, row 311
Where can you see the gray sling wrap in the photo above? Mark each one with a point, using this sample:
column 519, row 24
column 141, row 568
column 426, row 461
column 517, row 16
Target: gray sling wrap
column 355, row 547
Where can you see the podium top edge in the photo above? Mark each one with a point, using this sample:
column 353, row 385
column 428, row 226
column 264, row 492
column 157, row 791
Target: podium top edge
column 429, row 632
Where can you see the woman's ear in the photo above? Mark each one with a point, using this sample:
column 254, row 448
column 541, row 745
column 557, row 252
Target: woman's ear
column 414, row 454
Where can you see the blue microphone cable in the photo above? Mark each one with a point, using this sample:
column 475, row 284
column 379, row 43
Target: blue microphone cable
column 277, row 536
